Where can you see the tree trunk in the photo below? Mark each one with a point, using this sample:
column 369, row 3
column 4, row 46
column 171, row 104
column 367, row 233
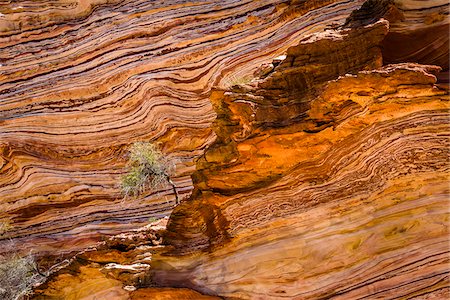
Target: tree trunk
column 177, row 200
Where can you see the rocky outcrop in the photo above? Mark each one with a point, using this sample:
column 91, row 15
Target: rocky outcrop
column 115, row 269
column 419, row 31
column 328, row 179
column 324, row 177
column 82, row 80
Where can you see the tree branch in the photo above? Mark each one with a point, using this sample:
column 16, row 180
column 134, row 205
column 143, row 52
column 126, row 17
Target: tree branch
column 177, row 200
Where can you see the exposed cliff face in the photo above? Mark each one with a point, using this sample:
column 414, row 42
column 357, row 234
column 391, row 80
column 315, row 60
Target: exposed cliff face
column 424, row 28
column 81, row 80
column 329, row 178
column 325, row 177
column 419, row 31
column 249, row 152
column 115, row 269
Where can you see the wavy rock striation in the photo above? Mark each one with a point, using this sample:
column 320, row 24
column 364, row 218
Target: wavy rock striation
column 114, row 269
column 325, row 177
column 328, row 179
column 419, row 31
column 81, row 80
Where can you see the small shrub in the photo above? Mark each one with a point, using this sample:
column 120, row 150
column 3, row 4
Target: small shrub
column 18, row 275
column 152, row 219
column 5, row 226
column 148, row 169
column 234, row 80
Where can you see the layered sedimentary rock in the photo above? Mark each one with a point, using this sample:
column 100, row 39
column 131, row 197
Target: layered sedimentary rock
column 81, row 80
column 424, row 28
column 114, row 269
column 419, row 31
column 328, row 179
column 325, row 177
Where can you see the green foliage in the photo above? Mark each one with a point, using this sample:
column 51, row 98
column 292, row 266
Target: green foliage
column 234, row 80
column 148, row 169
column 152, row 219
column 18, row 275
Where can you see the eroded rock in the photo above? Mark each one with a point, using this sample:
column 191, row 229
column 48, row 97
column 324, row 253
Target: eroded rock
column 333, row 186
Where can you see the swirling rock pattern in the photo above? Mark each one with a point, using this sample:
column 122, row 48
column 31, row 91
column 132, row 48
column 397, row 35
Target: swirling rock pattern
column 327, row 177
column 112, row 270
column 81, row 80
column 419, row 31
column 336, row 188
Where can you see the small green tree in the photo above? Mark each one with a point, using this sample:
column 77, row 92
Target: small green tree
column 148, row 169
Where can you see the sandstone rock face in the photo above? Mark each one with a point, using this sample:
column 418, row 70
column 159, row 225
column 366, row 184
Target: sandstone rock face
column 114, row 269
column 328, row 179
column 311, row 140
column 82, row 80
column 419, row 31
column 424, row 28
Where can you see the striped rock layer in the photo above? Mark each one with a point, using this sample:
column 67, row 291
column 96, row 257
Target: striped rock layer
column 310, row 183
column 328, row 179
column 82, row 80
column 113, row 270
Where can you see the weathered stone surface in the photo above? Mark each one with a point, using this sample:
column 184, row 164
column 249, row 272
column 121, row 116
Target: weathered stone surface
column 420, row 34
column 280, row 100
column 347, row 199
column 325, row 177
column 114, row 269
column 81, row 80
column 169, row 294
column 419, row 30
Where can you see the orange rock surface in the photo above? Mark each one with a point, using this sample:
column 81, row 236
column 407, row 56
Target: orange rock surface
column 82, row 80
column 337, row 188
column 115, row 269
column 311, row 140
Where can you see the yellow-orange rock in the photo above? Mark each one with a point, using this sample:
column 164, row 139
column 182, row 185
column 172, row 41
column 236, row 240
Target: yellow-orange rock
column 327, row 177
column 115, row 269
column 347, row 199
column 169, row 294
column 419, row 30
column 81, row 80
